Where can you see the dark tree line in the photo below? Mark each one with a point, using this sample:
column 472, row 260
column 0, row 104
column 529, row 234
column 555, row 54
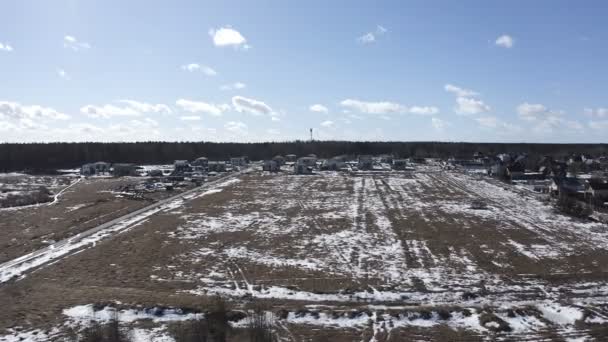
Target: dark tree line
column 50, row 156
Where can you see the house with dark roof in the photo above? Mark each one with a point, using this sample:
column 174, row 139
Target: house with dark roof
column 597, row 189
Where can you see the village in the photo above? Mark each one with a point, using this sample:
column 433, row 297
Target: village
column 580, row 179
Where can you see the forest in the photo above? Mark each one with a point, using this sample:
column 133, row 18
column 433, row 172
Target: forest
column 45, row 157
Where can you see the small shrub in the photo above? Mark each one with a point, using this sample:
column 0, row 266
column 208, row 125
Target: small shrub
column 493, row 322
column 260, row 325
column 109, row 332
column 444, row 314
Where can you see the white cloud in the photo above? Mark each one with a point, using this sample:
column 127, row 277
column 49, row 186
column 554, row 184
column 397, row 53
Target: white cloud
column 190, row 118
column 505, row 41
column 16, row 111
column 599, row 125
column 493, row 122
column 487, row 121
column 545, row 120
column 382, row 107
column 227, row 36
column 386, row 107
column 255, row 107
column 233, row 86
column 198, row 67
column 318, row 108
column 236, row 127
column 144, row 123
column 532, row 111
column 107, row 111
column 6, row 47
column 85, row 128
column 202, row 107
column 273, row 131
column 145, row 107
column 327, row 123
column 466, row 103
column 371, row 37
column 424, row 110
column 71, row 42
column 597, row 113
column 460, row 92
column 466, row 106
column 63, row 74
column 438, row 124
column 131, row 108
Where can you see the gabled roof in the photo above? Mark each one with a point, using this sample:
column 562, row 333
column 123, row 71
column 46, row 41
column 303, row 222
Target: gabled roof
column 595, row 185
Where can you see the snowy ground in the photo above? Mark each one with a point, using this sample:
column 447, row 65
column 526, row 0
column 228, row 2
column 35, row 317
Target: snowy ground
column 395, row 254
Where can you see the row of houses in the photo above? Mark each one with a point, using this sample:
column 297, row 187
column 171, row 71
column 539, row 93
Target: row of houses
column 115, row 169
column 309, row 163
column 580, row 176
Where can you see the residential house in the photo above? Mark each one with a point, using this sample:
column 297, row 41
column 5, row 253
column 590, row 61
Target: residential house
column 181, row 166
column 95, row 168
column 498, row 168
column 335, row 163
column 401, row 164
column 304, row 165
column 124, row 169
column 365, row 162
column 386, row 158
column 271, row 166
column 216, row 166
column 597, row 189
column 201, row 163
column 567, row 186
column 279, row 159
column 238, row 161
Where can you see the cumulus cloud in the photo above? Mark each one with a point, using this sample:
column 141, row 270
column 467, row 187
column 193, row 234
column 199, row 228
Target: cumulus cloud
column 255, row 107
column 596, row 113
column 192, row 67
column 202, row 107
column 227, row 36
column 17, row 111
column 145, row 107
column 386, row 107
column 533, row 111
column 545, row 119
column 372, row 36
column 6, row 47
column 466, row 106
column 466, row 103
column 601, row 125
column 381, row 107
column 460, row 92
column 233, row 86
column 130, row 108
column 424, row 110
column 327, row 123
column 236, row 127
column 438, row 124
column 71, row 42
column 318, row 108
column 505, row 41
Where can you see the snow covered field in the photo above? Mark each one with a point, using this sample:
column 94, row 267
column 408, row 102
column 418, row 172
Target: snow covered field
column 382, row 255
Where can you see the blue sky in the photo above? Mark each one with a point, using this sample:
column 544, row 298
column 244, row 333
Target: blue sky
column 517, row 71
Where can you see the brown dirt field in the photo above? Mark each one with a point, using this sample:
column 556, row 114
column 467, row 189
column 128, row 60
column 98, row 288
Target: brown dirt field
column 322, row 235
column 83, row 206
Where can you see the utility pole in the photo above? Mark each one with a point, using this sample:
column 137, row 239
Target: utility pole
column 311, row 134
